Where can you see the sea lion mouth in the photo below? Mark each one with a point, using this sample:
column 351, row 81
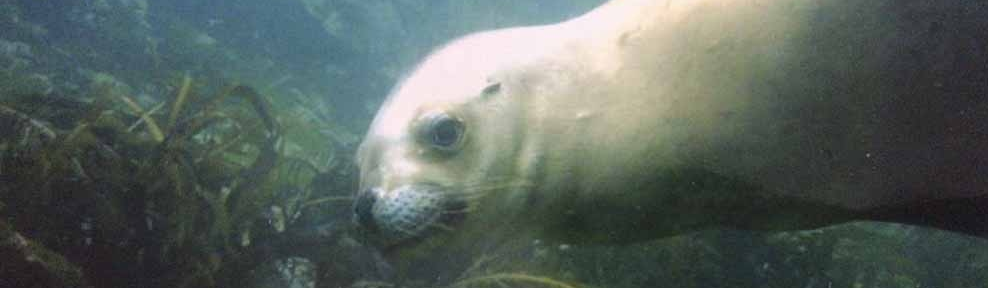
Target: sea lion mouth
column 408, row 213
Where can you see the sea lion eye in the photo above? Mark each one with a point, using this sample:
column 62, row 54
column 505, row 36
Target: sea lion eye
column 442, row 131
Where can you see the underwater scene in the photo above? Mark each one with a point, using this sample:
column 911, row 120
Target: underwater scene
column 396, row 144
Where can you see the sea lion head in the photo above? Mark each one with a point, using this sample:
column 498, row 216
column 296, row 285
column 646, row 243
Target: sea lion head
column 449, row 144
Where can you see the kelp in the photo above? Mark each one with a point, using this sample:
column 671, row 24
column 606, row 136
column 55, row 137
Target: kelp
column 218, row 211
column 140, row 199
column 34, row 265
column 511, row 280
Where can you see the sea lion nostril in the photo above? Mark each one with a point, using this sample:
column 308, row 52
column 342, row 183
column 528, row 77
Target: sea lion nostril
column 362, row 208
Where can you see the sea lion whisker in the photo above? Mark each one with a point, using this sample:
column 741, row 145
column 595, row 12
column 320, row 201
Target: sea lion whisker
column 467, row 196
column 489, row 187
column 405, row 231
column 464, row 210
column 442, row 227
column 489, row 180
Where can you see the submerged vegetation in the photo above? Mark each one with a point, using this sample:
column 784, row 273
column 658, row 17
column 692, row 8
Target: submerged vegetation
column 131, row 157
column 170, row 196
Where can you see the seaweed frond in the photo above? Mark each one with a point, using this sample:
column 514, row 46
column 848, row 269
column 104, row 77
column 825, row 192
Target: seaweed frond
column 180, row 99
column 502, row 279
column 153, row 127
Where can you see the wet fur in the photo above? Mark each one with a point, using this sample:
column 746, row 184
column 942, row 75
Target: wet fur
column 644, row 119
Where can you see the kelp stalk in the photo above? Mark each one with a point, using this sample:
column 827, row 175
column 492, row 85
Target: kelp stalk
column 33, row 264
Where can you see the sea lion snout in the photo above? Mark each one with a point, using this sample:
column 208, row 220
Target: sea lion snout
column 362, row 207
column 405, row 213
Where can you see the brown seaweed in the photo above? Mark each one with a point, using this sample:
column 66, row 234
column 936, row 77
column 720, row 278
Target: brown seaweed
column 175, row 205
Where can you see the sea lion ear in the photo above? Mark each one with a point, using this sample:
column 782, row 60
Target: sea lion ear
column 491, row 89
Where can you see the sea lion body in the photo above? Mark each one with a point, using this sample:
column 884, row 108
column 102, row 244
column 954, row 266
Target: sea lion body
column 643, row 119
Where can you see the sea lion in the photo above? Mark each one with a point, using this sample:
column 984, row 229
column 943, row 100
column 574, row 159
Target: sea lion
column 643, row 119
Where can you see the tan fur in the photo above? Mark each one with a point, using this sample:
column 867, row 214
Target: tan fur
column 649, row 118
